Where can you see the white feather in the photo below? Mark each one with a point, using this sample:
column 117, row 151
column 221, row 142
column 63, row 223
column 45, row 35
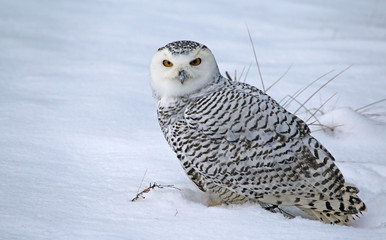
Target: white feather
column 165, row 82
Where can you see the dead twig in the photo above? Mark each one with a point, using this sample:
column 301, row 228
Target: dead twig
column 228, row 76
column 152, row 186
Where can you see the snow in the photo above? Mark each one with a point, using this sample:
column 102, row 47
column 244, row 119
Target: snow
column 78, row 123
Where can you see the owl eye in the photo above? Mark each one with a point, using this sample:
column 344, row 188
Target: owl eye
column 195, row 62
column 167, row 63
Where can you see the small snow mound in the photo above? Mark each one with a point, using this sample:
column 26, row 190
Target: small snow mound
column 346, row 121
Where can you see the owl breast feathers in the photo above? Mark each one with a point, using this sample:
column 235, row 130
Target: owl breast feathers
column 239, row 143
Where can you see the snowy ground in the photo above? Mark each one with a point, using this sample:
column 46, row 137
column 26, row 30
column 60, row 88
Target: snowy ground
column 78, row 124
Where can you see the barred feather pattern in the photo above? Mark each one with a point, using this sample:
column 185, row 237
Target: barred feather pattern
column 237, row 142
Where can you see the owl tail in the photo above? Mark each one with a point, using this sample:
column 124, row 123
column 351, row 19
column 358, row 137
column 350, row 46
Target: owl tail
column 336, row 211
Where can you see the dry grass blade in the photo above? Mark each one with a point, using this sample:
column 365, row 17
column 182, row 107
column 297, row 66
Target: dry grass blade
column 360, row 162
column 324, row 127
column 306, row 87
column 322, row 87
column 374, row 115
column 237, row 78
column 307, row 110
column 242, row 72
column 289, row 97
column 320, row 107
column 246, row 74
column 316, row 122
column 365, row 108
column 280, row 78
column 257, row 63
column 143, row 178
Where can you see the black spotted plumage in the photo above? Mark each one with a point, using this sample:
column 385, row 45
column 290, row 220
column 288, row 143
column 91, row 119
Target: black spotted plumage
column 181, row 47
column 236, row 141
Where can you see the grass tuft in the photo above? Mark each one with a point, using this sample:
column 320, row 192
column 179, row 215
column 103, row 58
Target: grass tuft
column 312, row 113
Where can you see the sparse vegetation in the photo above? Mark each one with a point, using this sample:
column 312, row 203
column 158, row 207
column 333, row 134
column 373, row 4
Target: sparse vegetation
column 312, row 113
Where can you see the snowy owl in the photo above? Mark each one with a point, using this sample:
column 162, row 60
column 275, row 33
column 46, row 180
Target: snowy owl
column 235, row 141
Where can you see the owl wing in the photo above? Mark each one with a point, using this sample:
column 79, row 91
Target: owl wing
column 245, row 142
column 235, row 113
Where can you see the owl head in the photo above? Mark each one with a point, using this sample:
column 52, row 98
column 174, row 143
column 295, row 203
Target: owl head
column 181, row 68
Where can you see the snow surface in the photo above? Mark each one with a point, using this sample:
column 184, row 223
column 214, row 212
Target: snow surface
column 78, row 125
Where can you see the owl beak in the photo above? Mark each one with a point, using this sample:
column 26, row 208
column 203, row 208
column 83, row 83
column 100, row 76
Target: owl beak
column 182, row 76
